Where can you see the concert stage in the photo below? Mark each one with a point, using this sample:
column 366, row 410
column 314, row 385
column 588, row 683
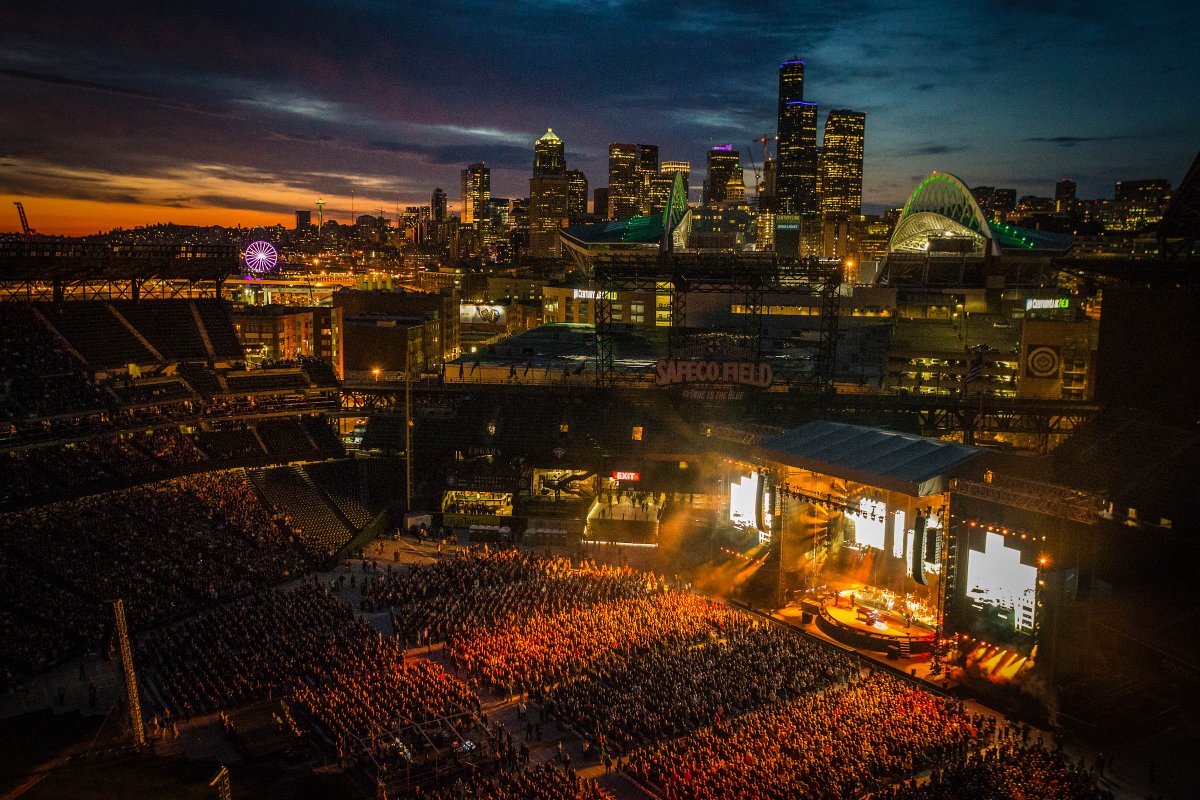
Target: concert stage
column 868, row 628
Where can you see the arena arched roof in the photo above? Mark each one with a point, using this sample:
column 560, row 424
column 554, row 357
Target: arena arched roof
column 943, row 208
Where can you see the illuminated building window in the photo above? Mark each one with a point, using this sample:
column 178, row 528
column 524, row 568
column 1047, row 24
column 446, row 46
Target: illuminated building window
column 564, row 427
column 637, row 433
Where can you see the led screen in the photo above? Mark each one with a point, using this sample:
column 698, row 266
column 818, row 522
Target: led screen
column 869, row 524
column 764, row 534
column 743, row 494
column 1001, row 591
column 898, row 548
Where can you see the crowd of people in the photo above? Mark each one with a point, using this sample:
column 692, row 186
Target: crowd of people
column 49, row 473
column 484, row 588
column 541, row 782
column 699, row 700
column 665, row 692
column 165, row 548
column 39, row 374
column 307, row 645
column 41, row 621
column 543, row 649
column 255, row 648
column 372, row 689
column 1012, row 769
column 849, row 739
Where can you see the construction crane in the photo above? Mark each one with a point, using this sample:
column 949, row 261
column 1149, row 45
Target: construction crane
column 24, row 220
column 766, row 155
column 758, row 182
column 763, row 140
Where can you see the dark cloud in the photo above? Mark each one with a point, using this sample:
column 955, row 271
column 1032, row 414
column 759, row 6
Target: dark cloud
column 1071, row 141
column 62, row 80
column 496, row 156
column 242, row 204
column 935, row 150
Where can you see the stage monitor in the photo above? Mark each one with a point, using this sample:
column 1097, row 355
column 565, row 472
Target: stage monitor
column 1001, row 592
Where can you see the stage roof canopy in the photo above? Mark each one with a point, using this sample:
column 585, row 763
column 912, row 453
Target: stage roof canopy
column 901, row 462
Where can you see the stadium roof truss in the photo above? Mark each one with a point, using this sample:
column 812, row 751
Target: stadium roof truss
column 74, row 269
column 942, row 206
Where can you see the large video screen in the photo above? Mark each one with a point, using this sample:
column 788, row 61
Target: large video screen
column 870, row 524
column 743, row 496
column 901, row 541
column 1001, row 591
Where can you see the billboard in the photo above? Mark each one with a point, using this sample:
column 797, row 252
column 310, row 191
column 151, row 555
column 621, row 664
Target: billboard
column 480, row 314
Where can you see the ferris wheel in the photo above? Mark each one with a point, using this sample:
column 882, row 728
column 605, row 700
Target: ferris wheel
column 261, row 256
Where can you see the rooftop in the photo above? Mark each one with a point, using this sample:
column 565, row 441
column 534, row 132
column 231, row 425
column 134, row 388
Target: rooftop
column 913, row 465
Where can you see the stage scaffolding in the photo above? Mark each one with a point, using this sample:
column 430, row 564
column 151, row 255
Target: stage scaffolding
column 753, row 276
column 426, row 754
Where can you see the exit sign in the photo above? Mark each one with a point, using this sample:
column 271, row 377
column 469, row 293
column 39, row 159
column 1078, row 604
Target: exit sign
column 626, row 476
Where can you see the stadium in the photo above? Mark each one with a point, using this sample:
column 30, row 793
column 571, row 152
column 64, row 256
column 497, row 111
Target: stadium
column 517, row 590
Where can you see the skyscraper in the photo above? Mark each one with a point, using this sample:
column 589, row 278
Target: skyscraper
column 624, row 181
column 549, row 191
column 841, row 163
column 791, row 82
column 796, row 177
column 1064, row 196
column 629, row 169
column 577, row 193
column 600, row 201
column 547, row 211
column 437, row 205
column 648, row 158
column 1140, row 203
column 684, row 168
column 662, row 184
column 476, row 192
column 303, row 220
column 549, row 156
column 723, row 161
column 647, row 171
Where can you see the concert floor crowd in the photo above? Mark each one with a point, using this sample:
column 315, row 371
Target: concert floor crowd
column 686, row 696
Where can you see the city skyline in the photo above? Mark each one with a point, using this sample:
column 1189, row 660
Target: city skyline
column 223, row 115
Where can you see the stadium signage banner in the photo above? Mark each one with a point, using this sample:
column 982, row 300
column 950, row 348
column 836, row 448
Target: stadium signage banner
column 669, row 371
column 1047, row 304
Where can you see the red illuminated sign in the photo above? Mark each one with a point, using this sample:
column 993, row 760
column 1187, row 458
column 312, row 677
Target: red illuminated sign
column 626, row 476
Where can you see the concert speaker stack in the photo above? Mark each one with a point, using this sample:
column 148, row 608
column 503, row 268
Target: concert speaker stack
column 933, row 545
column 918, row 549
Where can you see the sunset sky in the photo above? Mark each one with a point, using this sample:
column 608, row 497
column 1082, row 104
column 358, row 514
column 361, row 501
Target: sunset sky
column 235, row 112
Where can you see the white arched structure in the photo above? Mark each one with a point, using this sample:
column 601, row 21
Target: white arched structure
column 941, row 206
